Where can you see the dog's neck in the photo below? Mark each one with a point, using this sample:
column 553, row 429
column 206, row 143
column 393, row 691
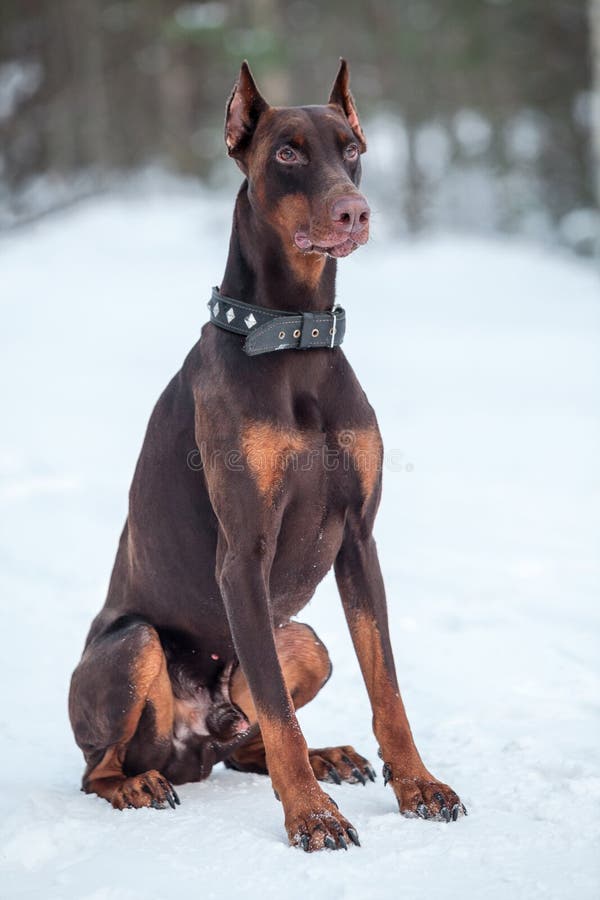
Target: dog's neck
column 261, row 269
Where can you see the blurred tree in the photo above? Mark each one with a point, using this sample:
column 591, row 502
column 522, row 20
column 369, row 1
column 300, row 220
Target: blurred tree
column 92, row 88
column 595, row 29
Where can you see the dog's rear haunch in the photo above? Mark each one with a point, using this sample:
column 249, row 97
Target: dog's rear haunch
column 194, row 658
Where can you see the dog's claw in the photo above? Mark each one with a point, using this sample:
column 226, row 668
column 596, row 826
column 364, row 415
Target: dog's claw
column 335, row 775
column 455, row 811
column 387, row 774
column 329, row 842
column 333, row 801
column 371, row 773
column 342, row 842
column 440, row 799
column 170, row 793
column 353, row 835
column 355, row 771
column 155, row 804
column 445, row 813
column 422, row 811
column 464, row 809
column 304, row 842
column 359, row 775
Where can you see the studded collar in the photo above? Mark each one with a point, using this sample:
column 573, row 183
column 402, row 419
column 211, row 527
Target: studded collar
column 267, row 330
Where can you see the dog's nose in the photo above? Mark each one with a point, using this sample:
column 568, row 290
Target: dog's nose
column 350, row 213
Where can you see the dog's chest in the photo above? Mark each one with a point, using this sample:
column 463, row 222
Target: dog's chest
column 333, row 466
column 324, row 440
column 309, row 478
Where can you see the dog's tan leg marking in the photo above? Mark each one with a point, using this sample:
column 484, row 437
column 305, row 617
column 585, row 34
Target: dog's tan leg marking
column 414, row 786
column 389, row 715
column 150, row 683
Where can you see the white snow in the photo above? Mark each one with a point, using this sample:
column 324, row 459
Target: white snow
column 481, row 358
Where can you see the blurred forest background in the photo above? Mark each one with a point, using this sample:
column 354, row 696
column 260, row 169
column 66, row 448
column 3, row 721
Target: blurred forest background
column 479, row 113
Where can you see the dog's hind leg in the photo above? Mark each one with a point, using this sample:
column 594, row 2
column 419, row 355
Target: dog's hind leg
column 306, row 668
column 120, row 689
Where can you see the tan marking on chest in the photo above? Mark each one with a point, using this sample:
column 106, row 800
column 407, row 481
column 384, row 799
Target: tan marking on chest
column 268, row 452
column 365, row 450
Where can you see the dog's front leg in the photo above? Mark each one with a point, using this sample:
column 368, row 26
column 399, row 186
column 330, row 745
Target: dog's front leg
column 249, row 522
column 312, row 819
column 363, row 596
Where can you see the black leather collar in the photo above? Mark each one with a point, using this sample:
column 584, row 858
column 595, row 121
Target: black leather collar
column 274, row 329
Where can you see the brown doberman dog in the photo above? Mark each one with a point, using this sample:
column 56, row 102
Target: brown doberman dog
column 259, row 472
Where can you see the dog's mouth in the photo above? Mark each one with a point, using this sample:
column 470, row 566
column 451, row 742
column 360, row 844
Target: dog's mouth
column 337, row 249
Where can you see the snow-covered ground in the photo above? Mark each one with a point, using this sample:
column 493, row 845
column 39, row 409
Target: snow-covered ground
column 485, row 373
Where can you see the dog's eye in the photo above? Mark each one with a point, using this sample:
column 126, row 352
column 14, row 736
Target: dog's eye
column 286, row 155
column 351, row 152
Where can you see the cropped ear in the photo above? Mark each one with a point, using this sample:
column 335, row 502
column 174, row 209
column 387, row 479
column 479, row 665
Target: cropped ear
column 244, row 108
column 340, row 94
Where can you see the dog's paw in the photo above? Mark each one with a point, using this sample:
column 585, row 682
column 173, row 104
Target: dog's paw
column 321, row 827
column 424, row 797
column 337, row 764
column 149, row 789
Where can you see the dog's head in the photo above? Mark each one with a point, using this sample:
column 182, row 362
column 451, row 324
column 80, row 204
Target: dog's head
column 302, row 165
